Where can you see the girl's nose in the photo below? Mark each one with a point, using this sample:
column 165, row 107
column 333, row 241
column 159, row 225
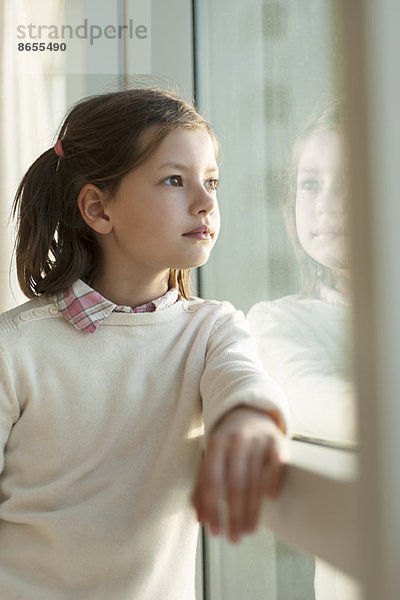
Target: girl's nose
column 203, row 201
column 330, row 199
column 325, row 204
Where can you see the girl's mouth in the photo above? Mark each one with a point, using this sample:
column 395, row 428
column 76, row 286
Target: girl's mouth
column 204, row 232
column 327, row 234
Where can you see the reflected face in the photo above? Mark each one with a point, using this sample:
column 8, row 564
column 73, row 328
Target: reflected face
column 165, row 212
column 320, row 199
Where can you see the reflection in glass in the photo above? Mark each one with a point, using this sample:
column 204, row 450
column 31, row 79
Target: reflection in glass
column 304, row 339
column 261, row 67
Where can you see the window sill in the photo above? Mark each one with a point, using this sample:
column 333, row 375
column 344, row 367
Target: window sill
column 317, row 509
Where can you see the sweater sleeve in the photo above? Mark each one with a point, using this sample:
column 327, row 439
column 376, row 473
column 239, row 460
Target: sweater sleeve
column 233, row 374
column 9, row 407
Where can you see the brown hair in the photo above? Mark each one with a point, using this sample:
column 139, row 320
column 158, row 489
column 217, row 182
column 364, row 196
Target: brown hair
column 313, row 274
column 101, row 142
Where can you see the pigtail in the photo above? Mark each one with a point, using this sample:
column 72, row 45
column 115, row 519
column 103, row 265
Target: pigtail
column 37, row 210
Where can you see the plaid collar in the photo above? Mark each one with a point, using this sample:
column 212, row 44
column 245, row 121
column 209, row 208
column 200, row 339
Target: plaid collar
column 86, row 309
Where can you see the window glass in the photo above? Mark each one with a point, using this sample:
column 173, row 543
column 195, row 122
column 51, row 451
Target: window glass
column 263, row 567
column 269, row 80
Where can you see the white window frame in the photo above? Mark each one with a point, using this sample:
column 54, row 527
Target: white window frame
column 374, row 90
column 317, row 510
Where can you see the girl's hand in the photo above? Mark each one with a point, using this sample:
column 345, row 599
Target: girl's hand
column 244, row 458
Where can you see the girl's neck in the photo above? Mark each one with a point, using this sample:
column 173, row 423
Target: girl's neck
column 130, row 290
column 342, row 282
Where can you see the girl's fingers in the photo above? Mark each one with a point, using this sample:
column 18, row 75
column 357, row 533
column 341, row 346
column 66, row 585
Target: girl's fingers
column 255, row 488
column 237, row 478
column 245, row 469
column 276, row 470
column 209, row 489
column 243, row 461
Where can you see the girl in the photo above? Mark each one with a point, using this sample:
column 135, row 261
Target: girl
column 107, row 372
column 304, row 339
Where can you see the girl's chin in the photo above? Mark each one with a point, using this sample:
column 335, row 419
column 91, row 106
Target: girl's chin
column 333, row 257
column 198, row 261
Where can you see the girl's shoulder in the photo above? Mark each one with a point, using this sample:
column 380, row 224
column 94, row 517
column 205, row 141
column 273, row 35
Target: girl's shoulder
column 293, row 313
column 214, row 313
column 16, row 317
column 279, row 304
column 195, row 303
column 287, row 312
column 296, row 304
column 216, row 310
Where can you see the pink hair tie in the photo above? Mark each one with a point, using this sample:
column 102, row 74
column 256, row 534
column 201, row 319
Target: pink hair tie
column 58, row 149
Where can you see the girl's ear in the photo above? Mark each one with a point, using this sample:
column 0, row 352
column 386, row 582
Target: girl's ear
column 92, row 204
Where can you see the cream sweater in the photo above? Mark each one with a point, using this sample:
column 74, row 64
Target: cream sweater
column 102, row 439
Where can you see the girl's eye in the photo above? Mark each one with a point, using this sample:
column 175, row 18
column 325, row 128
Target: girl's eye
column 211, row 185
column 309, row 185
column 174, row 181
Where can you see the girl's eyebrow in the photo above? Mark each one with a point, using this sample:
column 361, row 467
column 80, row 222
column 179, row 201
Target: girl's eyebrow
column 182, row 167
column 318, row 170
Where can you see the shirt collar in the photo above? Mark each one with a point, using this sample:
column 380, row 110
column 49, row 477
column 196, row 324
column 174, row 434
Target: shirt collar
column 332, row 296
column 86, row 309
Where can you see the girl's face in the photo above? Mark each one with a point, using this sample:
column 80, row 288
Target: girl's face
column 320, row 199
column 165, row 212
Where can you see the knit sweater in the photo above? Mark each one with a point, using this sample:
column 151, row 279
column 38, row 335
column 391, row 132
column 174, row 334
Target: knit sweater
column 102, row 438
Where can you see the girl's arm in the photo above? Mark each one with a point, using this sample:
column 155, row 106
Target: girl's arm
column 244, row 459
column 9, row 407
column 245, row 419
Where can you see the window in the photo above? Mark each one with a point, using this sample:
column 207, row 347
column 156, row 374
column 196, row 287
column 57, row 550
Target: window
column 268, row 197
column 269, row 78
column 261, row 67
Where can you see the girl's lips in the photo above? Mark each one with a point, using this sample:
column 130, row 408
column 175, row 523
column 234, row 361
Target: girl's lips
column 204, row 232
column 200, row 235
column 327, row 233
